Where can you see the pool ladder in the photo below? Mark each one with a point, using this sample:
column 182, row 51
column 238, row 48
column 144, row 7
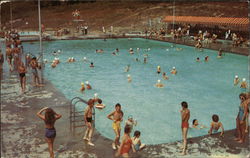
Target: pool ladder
column 77, row 117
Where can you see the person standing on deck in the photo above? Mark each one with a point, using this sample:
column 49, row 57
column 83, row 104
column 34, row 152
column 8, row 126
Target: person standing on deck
column 185, row 115
column 88, row 122
column 116, row 116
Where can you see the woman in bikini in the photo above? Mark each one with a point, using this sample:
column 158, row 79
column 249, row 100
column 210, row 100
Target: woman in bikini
column 22, row 71
column 126, row 143
column 49, row 118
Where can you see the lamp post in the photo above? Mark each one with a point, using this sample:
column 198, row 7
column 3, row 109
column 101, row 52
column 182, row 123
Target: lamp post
column 40, row 43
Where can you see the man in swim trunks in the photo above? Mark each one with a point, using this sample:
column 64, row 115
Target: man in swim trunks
column 185, row 115
column 116, row 116
column 88, row 122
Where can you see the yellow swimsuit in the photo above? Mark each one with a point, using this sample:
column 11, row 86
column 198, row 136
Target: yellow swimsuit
column 116, row 125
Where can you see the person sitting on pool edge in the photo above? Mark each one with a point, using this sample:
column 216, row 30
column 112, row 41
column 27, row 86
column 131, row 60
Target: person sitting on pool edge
column 159, row 84
column 88, row 86
column 100, row 105
column 137, row 142
column 173, row 71
column 91, row 64
column 197, row 125
column 216, row 125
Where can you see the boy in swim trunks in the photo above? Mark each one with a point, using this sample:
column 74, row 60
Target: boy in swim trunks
column 116, row 116
column 216, row 125
column 88, row 122
column 185, row 115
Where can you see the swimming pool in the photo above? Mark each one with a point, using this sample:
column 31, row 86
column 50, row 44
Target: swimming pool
column 206, row 86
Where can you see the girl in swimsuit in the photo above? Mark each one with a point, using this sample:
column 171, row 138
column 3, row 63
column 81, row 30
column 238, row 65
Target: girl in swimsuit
column 22, row 71
column 241, row 118
column 126, row 143
column 49, row 118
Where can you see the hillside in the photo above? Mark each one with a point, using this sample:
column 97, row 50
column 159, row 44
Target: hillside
column 122, row 15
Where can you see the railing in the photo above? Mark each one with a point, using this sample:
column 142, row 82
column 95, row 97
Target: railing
column 77, row 117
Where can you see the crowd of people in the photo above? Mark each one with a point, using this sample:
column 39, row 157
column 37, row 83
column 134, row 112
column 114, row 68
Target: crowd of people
column 203, row 36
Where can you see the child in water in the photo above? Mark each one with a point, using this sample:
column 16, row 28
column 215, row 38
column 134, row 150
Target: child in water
column 236, row 80
column 88, row 86
column 100, row 105
column 82, row 87
column 197, row 125
column 173, row 71
column 129, row 78
column 131, row 122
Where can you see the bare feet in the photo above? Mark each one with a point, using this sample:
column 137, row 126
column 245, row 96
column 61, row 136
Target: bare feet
column 236, row 139
column 240, row 141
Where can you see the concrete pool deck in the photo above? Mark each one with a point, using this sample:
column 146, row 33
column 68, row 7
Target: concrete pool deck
column 22, row 132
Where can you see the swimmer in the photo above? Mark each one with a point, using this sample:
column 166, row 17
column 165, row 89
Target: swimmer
column 131, row 122
column 136, row 59
column 159, row 84
column 219, row 54
column 145, row 60
column 243, row 83
column 129, row 78
column 91, row 64
column 173, row 71
column 82, row 87
column 149, row 49
column 113, row 53
column 84, row 59
column 127, row 68
column 100, row 105
column 164, row 76
column 69, row 60
column 167, row 50
column 197, row 59
column 53, row 65
column 45, row 61
column 158, row 69
column 197, row 125
column 236, row 80
column 73, row 59
column 117, row 50
column 138, row 49
column 131, row 51
column 95, row 97
column 57, row 61
column 88, row 86
column 206, row 58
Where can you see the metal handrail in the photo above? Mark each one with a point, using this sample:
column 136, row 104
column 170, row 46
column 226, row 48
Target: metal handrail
column 76, row 114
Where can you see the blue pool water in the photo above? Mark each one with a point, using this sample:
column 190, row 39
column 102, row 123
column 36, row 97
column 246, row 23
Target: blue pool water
column 207, row 87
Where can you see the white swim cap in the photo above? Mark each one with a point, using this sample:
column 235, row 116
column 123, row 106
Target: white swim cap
column 148, row 48
column 158, row 81
column 59, row 50
column 84, row 58
column 243, row 79
column 236, row 76
column 95, row 94
column 158, row 66
column 128, row 75
column 138, row 48
column 82, row 83
column 130, row 49
column 173, row 67
column 87, row 82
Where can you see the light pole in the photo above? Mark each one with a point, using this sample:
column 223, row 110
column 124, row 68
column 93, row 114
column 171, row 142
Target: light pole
column 40, row 43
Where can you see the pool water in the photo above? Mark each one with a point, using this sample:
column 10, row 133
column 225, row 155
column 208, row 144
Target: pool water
column 206, row 86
